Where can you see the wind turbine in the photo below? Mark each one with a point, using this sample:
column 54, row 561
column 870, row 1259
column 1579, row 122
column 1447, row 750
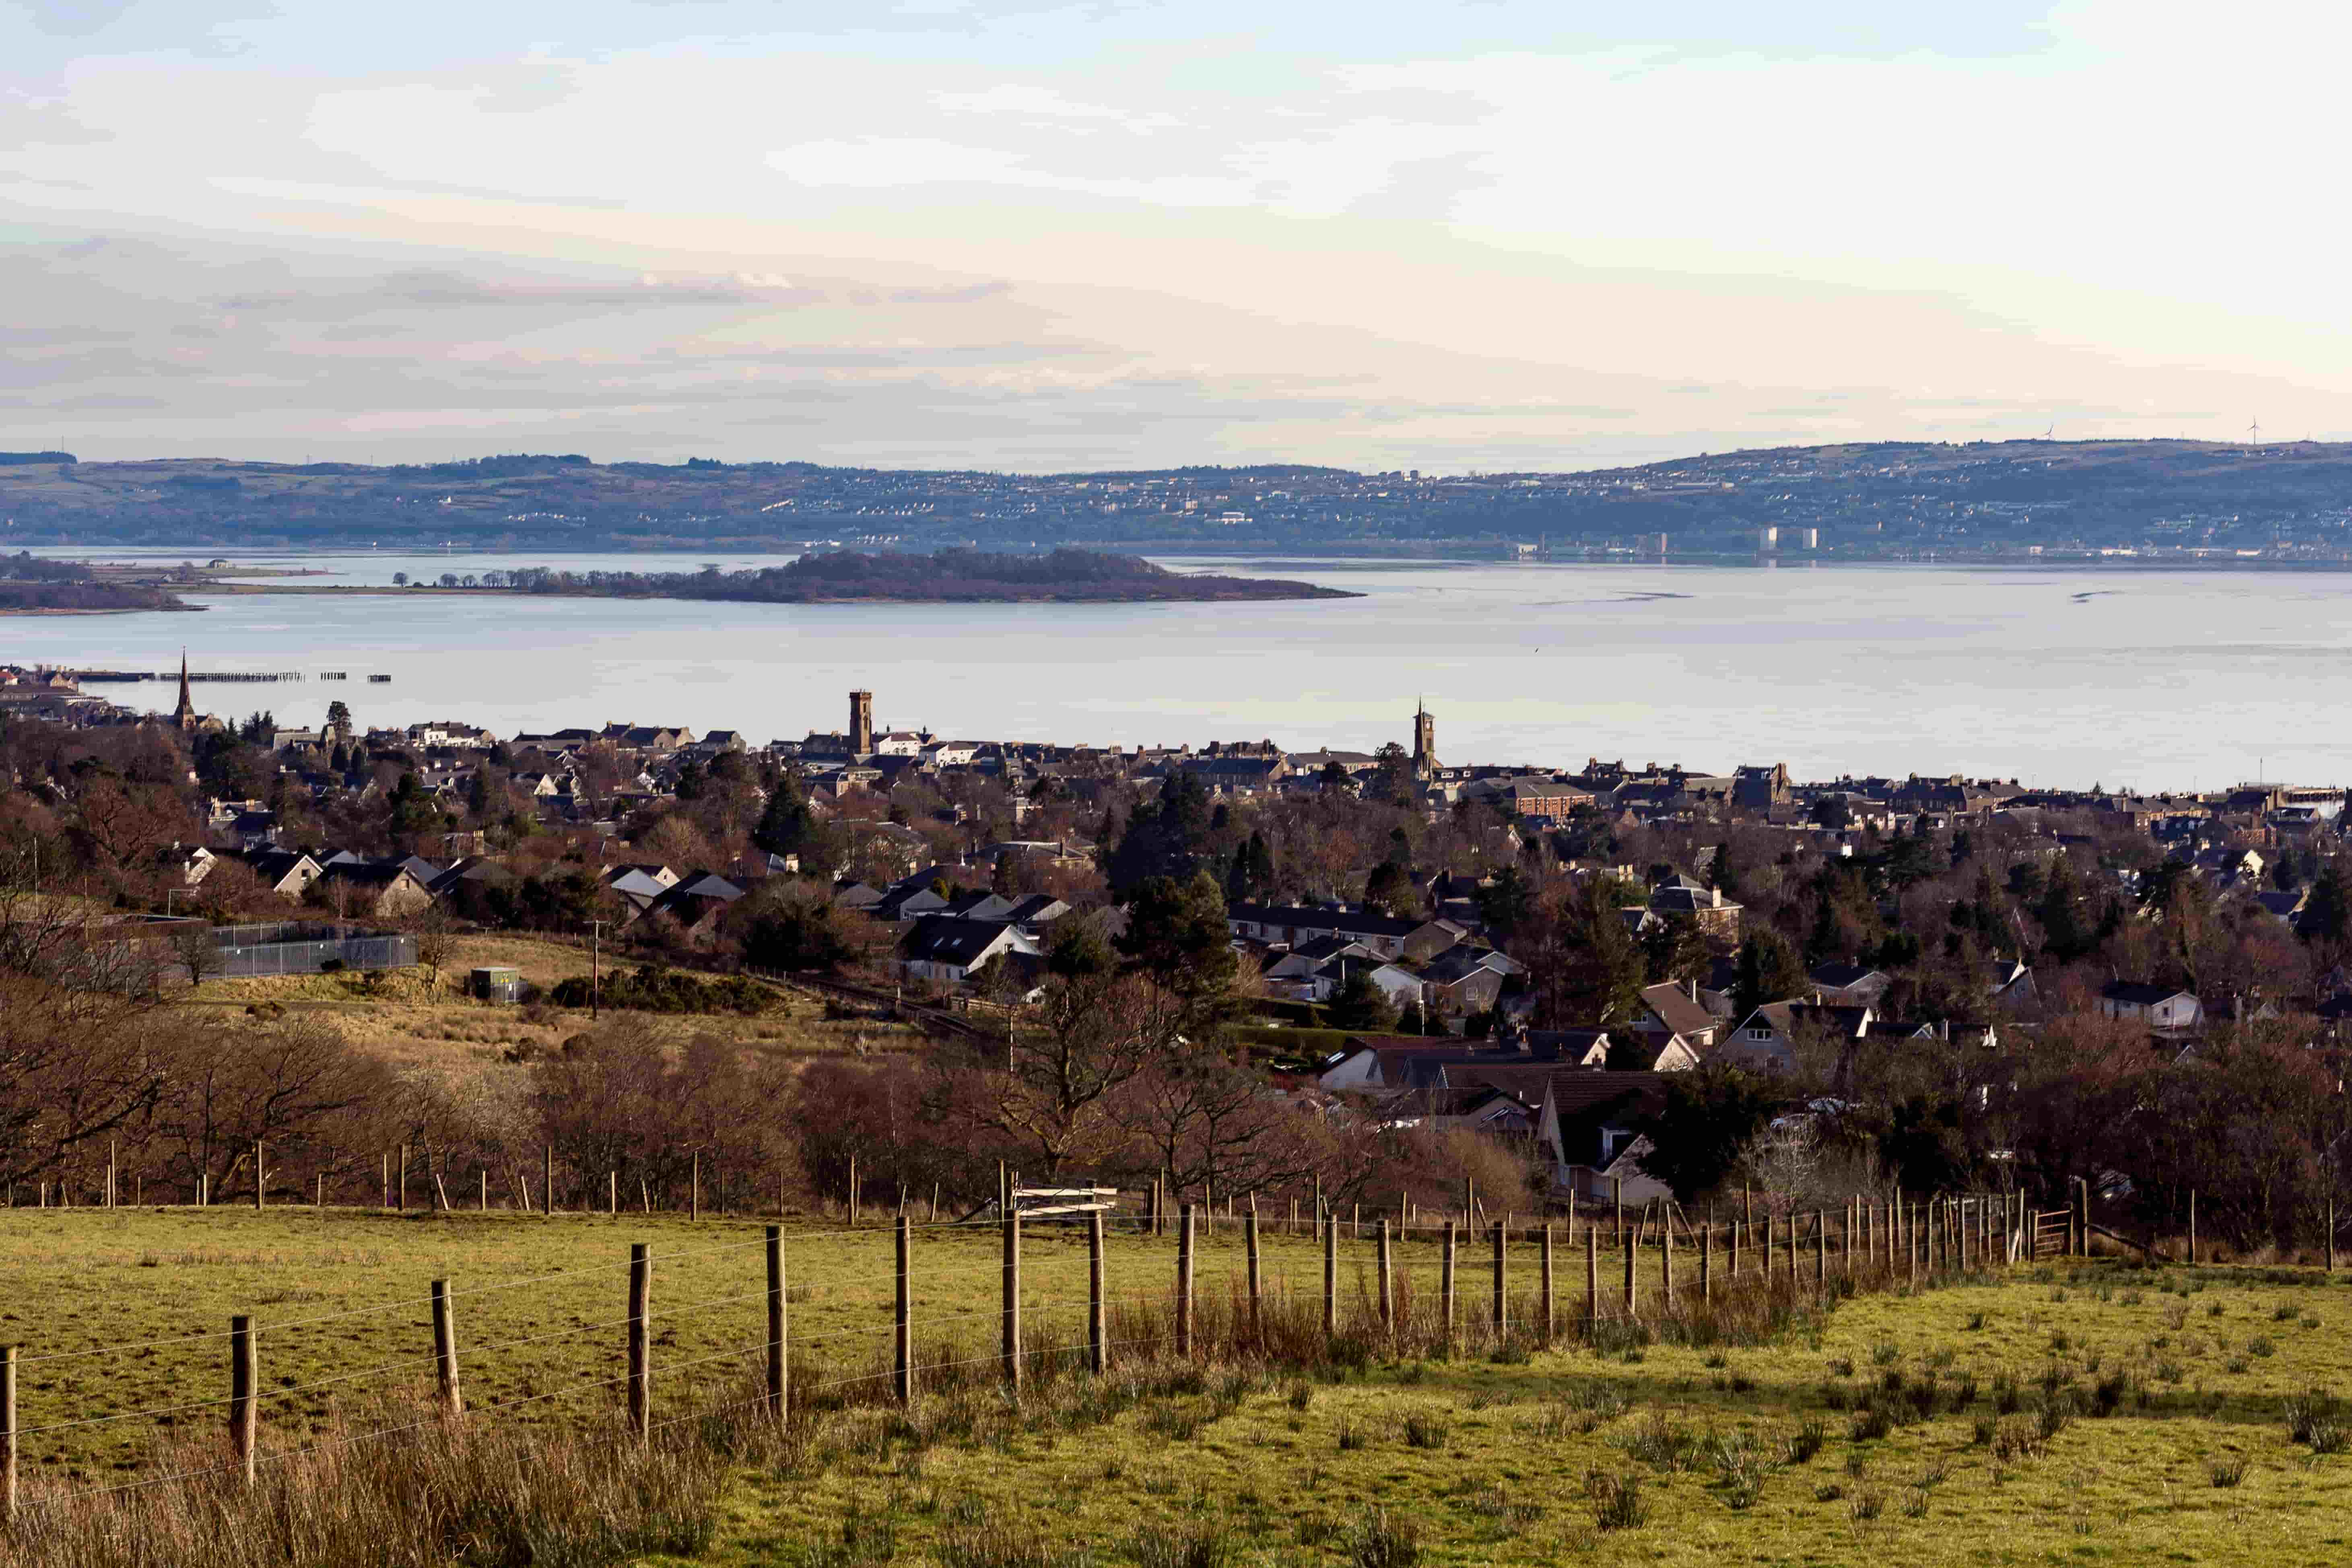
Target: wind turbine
column 2254, row 432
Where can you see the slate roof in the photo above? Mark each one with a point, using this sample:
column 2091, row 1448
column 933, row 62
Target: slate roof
column 943, row 939
column 1674, row 1008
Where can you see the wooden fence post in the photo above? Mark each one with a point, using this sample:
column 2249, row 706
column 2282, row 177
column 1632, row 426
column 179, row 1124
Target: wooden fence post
column 547, row 1179
column 1445, row 1284
column 2192, row 1225
column 1707, row 1262
column 243, row 1396
column 1502, row 1280
column 1331, row 1276
column 1737, row 1227
column 1548, row 1314
column 1388, row 1299
column 1666, row 1262
column 853, row 1186
column 1184, row 1283
column 902, row 1310
column 444, row 1351
column 612, row 1192
column 2331, row 1234
column 7, row 1434
column 1617, row 1195
column 1256, row 1277
column 1592, row 1278
column 641, row 1368
column 1821, row 1250
column 1633, row 1251
column 1010, row 1351
column 1098, row 1348
column 400, row 1185
column 778, row 1375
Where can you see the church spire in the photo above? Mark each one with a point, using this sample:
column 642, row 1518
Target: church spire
column 185, row 713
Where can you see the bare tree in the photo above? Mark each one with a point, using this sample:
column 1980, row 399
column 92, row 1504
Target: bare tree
column 436, row 942
column 192, row 941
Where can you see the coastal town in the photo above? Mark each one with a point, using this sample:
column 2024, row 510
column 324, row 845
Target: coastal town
column 1522, row 949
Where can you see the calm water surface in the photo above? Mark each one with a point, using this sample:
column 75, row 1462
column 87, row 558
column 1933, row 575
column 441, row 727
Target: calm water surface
column 2147, row 678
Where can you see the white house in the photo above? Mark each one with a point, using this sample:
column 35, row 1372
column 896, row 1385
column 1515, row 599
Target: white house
column 2159, row 1006
column 947, row 950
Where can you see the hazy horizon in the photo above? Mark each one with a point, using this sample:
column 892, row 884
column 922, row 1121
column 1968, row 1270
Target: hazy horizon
column 1031, row 236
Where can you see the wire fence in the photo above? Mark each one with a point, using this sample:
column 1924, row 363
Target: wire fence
column 1436, row 1285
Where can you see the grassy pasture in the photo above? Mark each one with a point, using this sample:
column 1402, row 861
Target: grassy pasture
column 1482, row 1461
column 76, row 1280
column 412, row 1019
column 2173, row 1385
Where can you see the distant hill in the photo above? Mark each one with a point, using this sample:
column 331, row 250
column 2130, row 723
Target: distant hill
column 2287, row 501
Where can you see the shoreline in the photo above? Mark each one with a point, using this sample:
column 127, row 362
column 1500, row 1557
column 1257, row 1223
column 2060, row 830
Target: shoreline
column 436, row 590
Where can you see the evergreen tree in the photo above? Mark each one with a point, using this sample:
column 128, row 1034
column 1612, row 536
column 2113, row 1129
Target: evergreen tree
column 1177, row 933
column 1602, row 968
column 1769, row 971
column 2058, row 910
column 2326, row 918
column 1389, row 890
column 1358, row 1006
column 1165, row 837
column 785, row 822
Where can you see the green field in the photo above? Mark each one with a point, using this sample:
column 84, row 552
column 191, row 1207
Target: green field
column 1483, row 1462
column 2088, row 1413
column 338, row 1299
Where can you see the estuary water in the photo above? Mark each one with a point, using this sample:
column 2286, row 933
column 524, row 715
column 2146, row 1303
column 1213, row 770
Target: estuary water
column 2059, row 676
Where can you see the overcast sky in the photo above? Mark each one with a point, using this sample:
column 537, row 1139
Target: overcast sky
column 1460, row 233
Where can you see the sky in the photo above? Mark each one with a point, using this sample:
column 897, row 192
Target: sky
column 1464, row 235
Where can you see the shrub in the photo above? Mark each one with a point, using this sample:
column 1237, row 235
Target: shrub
column 1423, row 1429
column 1203, row 1545
column 2307, row 1412
column 1864, row 1506
column 1616, row 1500
column 1805, row 1442
column 1380, row 1542
column 2226, row 1472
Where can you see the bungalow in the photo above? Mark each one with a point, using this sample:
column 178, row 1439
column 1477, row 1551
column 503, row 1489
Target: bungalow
column 383, row 890
column 1587, row 1127
column 1415, row 940
column 286, row 873
column 1481, row 1107
column 1850, row 985
column 1465, row 979
column 2160, row 1007
column 1378, row 1062
column 1300, row 963
column 695, row 905
column 947, row 950
column 1401, row 986
column 1769, row 1039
